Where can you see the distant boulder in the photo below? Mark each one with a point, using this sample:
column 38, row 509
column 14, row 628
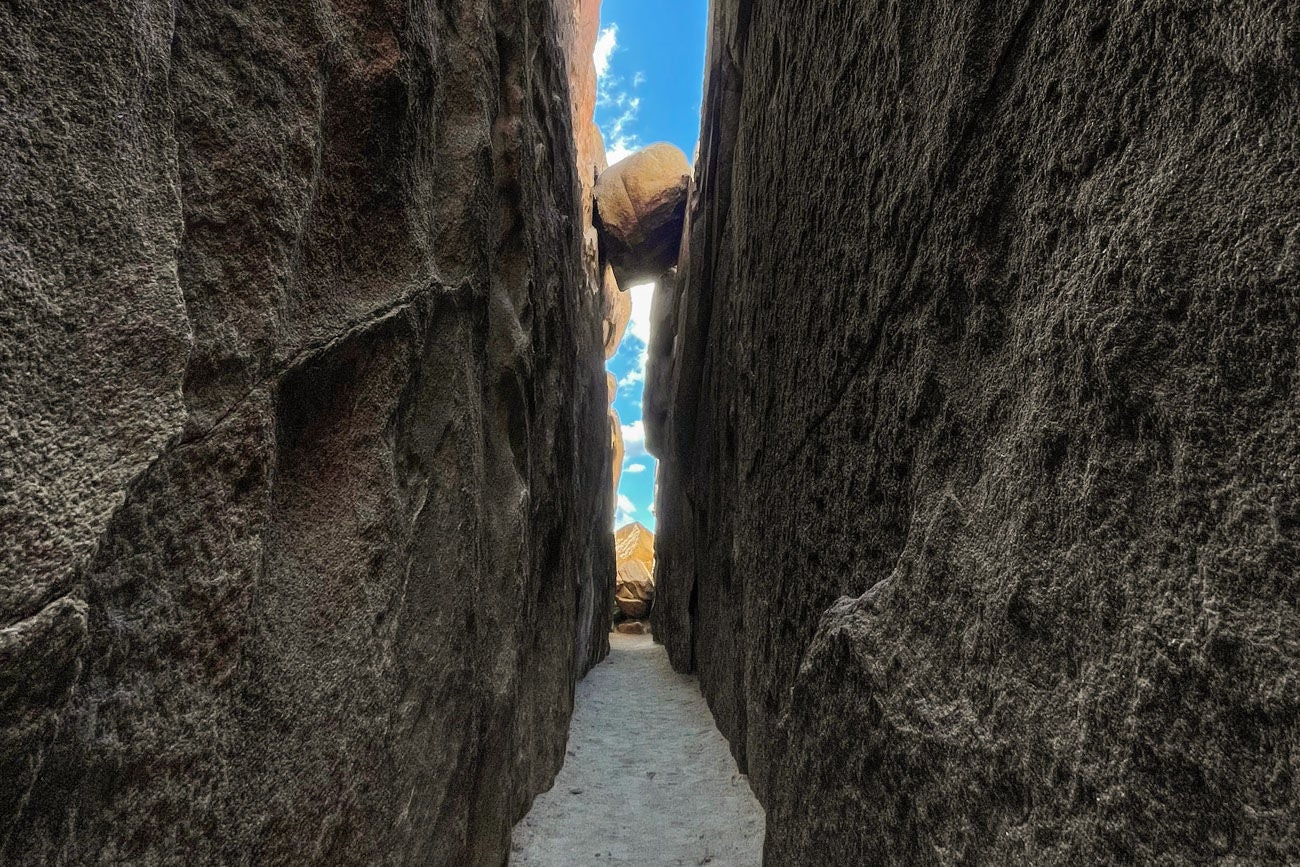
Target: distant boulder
column 640, row 209
column 635, row 591
column 634, row 541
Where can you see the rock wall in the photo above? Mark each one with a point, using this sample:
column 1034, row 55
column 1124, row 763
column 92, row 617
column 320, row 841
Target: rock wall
column 580, row 28
column 978, row 408
column 616, row 306
column 305, row 493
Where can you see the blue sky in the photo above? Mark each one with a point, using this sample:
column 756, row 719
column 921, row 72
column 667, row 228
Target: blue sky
column 650, row 73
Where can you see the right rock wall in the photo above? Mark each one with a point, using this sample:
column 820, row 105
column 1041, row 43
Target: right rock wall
column 978, row 406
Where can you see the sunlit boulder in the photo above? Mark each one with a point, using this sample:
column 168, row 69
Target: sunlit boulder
column 640, row 208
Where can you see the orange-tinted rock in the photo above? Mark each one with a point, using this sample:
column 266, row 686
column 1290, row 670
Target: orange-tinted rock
column 640, row 207
column 583, row 29
column 248, row 388
column 616, row 445
column 634, row 546
column 635, row 542
column 636, row 589
column 633, row 627
column 617, row 313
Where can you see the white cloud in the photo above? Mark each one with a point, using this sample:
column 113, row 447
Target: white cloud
column 622, row 142
column 635, row 376
column 639, row 328
column 620, row 139
column 636, row 468
column 626, row 511
column 605, row 45
column 634, row 440
column 634, row 433
column 643, row 295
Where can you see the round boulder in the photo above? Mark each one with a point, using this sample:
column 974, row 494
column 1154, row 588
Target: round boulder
column 640, row 210
column 635, row 591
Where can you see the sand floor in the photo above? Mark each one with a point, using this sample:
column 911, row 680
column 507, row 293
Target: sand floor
column 647, row 780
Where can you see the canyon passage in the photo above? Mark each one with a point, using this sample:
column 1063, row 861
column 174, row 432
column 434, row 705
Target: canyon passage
column 647, row 777
column 969, row 335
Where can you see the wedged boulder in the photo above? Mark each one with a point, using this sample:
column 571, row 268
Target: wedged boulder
column 640, row 209
column 635, row 592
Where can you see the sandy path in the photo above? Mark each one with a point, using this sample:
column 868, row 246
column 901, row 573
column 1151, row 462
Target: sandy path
column 648, row 779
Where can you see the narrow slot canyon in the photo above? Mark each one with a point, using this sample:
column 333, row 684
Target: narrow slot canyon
column 566, row 432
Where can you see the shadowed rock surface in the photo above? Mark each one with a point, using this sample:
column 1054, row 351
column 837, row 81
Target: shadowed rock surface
column 979, row 420
column 306, row 482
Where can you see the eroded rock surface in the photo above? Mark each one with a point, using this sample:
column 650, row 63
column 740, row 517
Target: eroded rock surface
column 640, row 206
column 979, row 421
column 301, row 394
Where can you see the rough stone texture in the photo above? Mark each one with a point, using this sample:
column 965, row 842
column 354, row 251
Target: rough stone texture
column 987, row 329
column 640, row 206
column 634, row 550
column 301, row 397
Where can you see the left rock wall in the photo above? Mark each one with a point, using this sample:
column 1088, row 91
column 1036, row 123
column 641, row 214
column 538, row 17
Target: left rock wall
column 306, row 481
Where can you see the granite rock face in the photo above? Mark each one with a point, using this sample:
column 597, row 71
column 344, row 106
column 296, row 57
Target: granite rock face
column 579, row 31
column 301, row 394
column 979, row 419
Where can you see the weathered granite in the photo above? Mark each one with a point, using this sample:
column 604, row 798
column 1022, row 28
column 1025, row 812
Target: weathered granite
column 979, row 420
column 306, row 490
